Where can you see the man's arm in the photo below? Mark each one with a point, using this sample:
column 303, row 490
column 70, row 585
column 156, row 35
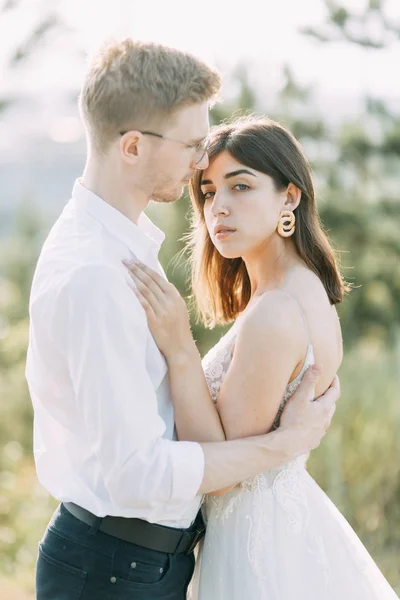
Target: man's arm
column 303, row 425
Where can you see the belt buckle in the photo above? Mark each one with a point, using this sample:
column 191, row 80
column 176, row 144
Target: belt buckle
column 198, row 535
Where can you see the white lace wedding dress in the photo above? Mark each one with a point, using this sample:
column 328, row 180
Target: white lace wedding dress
column 278, row 536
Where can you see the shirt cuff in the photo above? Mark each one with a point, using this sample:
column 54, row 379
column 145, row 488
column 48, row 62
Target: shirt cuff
column 188, row 470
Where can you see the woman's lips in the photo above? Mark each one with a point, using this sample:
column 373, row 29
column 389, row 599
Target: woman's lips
column 224, row 234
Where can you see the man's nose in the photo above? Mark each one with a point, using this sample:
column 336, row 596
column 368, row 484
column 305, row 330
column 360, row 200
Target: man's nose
column 203, row 163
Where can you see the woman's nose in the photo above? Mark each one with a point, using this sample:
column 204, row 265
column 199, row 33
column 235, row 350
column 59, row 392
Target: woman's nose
column 219, row 207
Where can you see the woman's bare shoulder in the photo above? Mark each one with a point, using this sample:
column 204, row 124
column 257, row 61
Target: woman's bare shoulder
column 275, row 316
column 321, row 319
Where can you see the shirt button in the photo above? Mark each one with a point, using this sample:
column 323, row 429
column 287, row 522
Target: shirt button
column 133, row 565
column 113, row 579
column 161, row 570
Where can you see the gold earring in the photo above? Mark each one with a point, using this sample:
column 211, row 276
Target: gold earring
column 286, row 223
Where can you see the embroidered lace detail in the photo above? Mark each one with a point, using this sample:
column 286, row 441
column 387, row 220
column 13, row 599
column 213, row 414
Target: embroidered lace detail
column 282, row 482
column 216, row 363
column 292, row 387
column 257, row 542
column 260, row 482
column 222, row 507
column 288, row 492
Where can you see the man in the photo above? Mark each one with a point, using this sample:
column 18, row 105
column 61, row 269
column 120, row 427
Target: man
column 104, row 427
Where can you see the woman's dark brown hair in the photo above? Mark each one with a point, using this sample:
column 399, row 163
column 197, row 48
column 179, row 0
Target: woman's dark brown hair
column 221, row 286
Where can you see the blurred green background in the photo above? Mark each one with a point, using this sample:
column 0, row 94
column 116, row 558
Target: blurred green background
column 356, row 165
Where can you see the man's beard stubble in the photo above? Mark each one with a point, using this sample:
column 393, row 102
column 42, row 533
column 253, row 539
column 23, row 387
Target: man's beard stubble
column 165, row 193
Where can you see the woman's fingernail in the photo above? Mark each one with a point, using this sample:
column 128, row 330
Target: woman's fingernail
column 130, row 261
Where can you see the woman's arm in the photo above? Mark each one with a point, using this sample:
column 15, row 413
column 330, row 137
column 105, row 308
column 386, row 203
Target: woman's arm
column 196, row 417
column 270, row 349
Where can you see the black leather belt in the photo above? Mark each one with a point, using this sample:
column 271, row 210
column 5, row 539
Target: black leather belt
column 149, row 535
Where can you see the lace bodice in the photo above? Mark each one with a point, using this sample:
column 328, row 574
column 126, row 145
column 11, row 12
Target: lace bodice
column 216, row 363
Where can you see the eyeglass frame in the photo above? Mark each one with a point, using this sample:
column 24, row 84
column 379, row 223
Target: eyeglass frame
column 198, row 148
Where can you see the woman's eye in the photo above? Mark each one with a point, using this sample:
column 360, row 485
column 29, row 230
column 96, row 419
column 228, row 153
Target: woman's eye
column 208, row 195
column 242, row 187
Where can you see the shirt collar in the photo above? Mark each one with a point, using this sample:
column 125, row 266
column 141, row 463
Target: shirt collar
column 140, row 239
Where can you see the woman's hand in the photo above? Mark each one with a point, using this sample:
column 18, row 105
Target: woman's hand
column 196, row 417
column 166, row 311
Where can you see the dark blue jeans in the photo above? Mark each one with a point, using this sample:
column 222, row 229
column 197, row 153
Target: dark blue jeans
column 77, row 562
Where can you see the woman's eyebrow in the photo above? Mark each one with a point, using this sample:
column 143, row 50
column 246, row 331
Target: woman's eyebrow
column 238, row 172
column 229, row 175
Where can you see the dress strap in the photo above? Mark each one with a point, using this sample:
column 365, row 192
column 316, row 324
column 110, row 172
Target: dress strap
column 309, row 358
column 303, row 316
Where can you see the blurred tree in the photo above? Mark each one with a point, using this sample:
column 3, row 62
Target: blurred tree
column 370, row 28
column 45, row 26
column 360, row 187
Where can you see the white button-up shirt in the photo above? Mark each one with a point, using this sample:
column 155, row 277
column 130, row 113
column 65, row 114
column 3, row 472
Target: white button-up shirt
column 104, row 433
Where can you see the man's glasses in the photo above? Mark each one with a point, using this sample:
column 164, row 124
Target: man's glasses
column 200, row 148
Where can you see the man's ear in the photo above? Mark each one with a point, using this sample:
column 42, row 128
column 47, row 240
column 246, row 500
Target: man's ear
column 293, row 197
column 131, row 146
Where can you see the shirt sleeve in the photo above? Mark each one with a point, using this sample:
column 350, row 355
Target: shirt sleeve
column 103, row 332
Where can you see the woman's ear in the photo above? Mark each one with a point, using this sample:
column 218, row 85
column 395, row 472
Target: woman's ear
column 293, row 197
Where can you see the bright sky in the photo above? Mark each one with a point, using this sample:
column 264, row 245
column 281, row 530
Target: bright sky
column 264, row 33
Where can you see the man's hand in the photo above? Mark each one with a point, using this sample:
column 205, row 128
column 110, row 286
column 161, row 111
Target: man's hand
column 308, row 421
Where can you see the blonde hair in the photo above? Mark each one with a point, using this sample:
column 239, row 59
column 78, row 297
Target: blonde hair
column 132, row 85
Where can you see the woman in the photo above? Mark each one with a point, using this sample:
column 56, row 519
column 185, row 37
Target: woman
column 260, row 259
